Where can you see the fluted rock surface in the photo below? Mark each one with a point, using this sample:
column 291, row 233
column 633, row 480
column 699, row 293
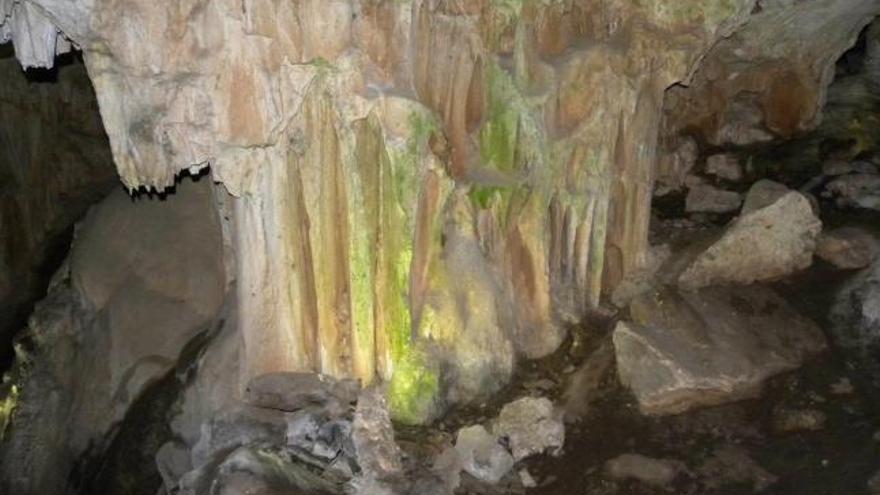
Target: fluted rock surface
column 421, row 185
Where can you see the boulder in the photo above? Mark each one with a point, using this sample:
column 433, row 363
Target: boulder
column 763, row 193
column 145, row 277
column 765, row 244
column 481, row 455
column 656, row 472
column 704, row 198
column 373, row 435
column 855, row 315
column 725, row 166
column 531, row 426
column 848, row 248
column 856, row 191
column 686, row 349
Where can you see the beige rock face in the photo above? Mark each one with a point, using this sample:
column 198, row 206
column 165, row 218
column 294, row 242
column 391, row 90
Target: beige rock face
column 356, row 134
column 770, row 78
column 145, row 276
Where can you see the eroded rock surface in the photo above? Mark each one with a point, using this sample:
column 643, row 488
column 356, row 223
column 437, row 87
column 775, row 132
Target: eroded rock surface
column 690, row 349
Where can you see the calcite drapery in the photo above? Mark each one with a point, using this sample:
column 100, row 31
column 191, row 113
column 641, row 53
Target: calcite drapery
column 422, row 185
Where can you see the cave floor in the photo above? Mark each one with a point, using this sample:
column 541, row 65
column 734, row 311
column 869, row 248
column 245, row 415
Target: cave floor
column 729, row 449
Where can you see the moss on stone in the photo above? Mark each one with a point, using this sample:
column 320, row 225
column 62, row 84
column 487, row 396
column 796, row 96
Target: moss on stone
column 412, row 393
column 7, row 409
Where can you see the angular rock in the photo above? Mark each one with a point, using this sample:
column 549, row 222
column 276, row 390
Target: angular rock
column 531, row 426
column 856, row 191
column 655, row 472
column 241, row 425
column 849, row 248
column 687, row 349
column 373, row 435
column 763, row 193
column 725, row 166
column 855, row 315
column 481, row 455
column 709, row 199
column 765, row 244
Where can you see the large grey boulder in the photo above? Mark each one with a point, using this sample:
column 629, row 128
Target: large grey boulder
column 765, row 244
column 687, row 349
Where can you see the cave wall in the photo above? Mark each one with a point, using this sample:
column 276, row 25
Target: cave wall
column 768, row 81
column 420, row 185
column 55, row 161
column 423, row 189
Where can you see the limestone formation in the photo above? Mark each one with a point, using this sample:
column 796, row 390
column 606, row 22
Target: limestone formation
column 351, row 132
column 762, row 245
column 691, row 349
